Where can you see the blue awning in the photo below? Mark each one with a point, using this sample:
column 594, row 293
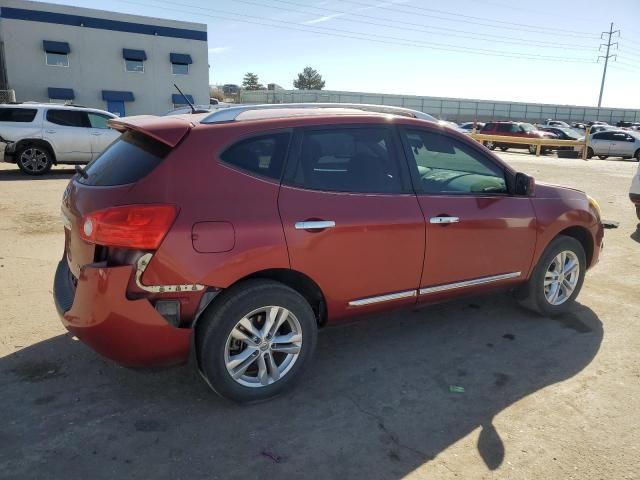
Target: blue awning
column 180, row 58
column 115, row 96
column 129, row 54
column 178, row 99
column 61, row 93
column 55, row 47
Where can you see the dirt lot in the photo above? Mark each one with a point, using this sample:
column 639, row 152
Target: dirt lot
column 542, row 398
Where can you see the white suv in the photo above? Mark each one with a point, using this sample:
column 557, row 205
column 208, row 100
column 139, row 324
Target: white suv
column 39, row 135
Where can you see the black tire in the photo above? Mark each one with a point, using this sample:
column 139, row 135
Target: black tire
column 638, row 211
column 637, row 155
column 532, row 294
column 504, row 149
column 490, row 145
column 603, row 157
column 222, row 317
column 533, row 149
column 34, row 159
column 590, row 153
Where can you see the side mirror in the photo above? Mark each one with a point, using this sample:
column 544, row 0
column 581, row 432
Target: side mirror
column 524, row 185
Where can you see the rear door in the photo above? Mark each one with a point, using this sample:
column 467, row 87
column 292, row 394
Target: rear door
column 351, row 220
column 478, row 235
column 101, row 134
column 68, row 130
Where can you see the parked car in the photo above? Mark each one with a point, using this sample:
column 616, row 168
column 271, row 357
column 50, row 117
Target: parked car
column 562, row 133
column 601, row 128
column 39, row 135
column 235, row 235
column 634, row 192
column 452, row 125
column 556, row 123
column 579, row 126
column 613, row 143
column 513, row 129
column 469, row 126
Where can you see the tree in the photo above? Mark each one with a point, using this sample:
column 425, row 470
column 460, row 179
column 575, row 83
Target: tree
column 250, row 82
column 309, row 79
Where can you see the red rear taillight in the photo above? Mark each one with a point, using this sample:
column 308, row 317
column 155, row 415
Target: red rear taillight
column 131, row 226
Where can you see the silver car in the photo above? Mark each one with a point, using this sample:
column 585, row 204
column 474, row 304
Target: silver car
column 38, row 135
column 614, row 143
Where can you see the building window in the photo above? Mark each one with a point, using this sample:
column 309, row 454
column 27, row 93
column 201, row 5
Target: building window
column 56, row 53
column 134, row 60
column 57, row 59
column 136, row 66
column 180, row 63
column 179, row 69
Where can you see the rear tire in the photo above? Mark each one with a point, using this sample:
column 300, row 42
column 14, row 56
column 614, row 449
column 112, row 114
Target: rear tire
column 557, row 279
column 638, row 211
column 490, row 145
column 237, row 351
column 589, row 152
column 34, row 159
column 532, row 149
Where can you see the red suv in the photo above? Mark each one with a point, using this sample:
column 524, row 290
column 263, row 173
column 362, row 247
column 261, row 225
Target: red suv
column 236, row 234
column 513, row 129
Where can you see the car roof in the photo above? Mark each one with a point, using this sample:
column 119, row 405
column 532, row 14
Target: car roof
column 58, row 106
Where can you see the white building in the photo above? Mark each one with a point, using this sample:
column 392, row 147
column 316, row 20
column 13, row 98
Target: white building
column 126, row 64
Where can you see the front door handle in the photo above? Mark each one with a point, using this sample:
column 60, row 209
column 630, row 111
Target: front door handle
column 96, row 133
column 51, row 131
column 315, row 224
column 443, row 219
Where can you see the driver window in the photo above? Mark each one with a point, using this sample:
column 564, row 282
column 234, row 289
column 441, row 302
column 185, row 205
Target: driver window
column 448, row 166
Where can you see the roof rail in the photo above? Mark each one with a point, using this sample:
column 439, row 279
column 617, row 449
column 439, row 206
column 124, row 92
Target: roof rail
column 231, row 114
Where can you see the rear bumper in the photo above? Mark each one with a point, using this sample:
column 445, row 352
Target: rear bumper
column 130, row 332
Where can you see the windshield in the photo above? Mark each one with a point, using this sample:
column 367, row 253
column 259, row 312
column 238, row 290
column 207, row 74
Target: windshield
column 570, row 133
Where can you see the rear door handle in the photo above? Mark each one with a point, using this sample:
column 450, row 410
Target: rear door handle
column 315, row 224
column 96, row 133
column 51, row 131
column 444, row 220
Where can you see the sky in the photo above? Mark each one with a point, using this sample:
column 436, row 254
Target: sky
column 542, row 51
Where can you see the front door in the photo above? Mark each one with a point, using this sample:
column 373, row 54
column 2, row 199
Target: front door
column 351, row 220
column 116, row 107
column 478, row 235
column 601, row 143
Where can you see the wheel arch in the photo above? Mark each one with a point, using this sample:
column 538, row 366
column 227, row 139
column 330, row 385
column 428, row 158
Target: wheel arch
column 582, row 235
column 25, row 142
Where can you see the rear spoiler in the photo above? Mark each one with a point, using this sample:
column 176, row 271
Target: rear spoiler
column 167, row 130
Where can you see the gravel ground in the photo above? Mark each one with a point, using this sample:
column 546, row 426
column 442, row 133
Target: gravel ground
column 543, row 398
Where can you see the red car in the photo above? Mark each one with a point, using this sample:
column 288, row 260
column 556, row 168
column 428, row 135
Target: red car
column 514, row 129
column 236, row 234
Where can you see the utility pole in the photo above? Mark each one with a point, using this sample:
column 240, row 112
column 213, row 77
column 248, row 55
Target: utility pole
column 606, row 57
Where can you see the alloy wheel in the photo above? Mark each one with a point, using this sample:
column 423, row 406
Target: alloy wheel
column 263, row 346
column 34, row 160
column 561, row 277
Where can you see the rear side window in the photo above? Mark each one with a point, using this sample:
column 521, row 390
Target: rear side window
column 504, row 127
column 263, row 155
column 358, row 160
column 18, row 115
column 126, row 160
column 68, row 118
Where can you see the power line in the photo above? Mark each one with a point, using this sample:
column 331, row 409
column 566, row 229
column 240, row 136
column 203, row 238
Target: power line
column 423, row 28
column 516, row 26
column 606, row 57
column 362, row 36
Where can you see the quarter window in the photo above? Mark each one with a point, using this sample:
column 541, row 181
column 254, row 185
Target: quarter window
column 262, row 155
column 447, row 166
column 57, row 59
column 358, row 160
column 17, row 115
column 68, row 118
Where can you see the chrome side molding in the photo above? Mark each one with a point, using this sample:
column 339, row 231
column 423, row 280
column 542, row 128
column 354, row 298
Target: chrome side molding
column 468, row 283
column 141, row 266
column 382, row 298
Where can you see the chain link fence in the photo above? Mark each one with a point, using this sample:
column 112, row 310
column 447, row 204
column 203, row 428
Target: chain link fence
column 7, row 96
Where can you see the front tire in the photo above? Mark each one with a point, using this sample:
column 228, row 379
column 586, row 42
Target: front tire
column 533, row 149
column 557, row 279
column 34, row 159
column 490, row 145
column 504, row 149
column 590, row 153
column 256, row 340
column 603, row 157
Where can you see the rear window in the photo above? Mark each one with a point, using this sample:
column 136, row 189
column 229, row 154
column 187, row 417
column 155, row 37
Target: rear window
column 263, row 155
column 126, row 160
column 18, row 115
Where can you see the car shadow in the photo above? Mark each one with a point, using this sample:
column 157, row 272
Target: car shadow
column 53, row 174
column 383, row 397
